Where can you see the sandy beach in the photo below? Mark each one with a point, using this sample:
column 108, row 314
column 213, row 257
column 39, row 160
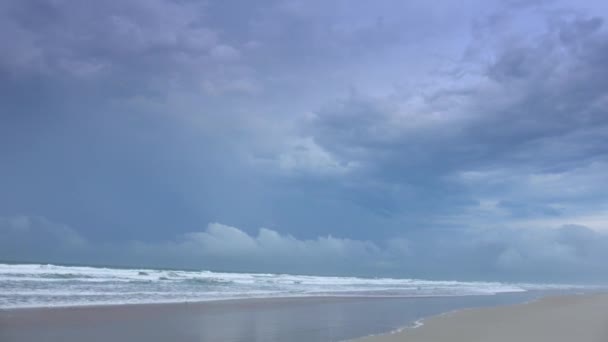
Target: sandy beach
column 498, row 318
column 313, row 319
column 580, row 318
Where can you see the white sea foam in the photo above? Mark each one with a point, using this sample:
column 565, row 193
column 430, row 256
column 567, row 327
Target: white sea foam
column 37, row 285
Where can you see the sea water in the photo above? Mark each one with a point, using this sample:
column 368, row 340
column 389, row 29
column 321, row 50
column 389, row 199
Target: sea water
column 40, row 285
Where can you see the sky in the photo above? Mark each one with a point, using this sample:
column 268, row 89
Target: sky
column 454, row 140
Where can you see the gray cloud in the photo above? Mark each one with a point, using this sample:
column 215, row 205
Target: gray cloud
column 393, row 125
column 138, row 48
column 530, row 93
column 535, row 109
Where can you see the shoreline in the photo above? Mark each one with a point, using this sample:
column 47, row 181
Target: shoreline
column 246, row 299
column 557, row 318
column 298, row 319
column 198, row 303
column 420, row 322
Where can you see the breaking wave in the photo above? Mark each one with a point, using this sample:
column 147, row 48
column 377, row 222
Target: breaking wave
column 37, row 285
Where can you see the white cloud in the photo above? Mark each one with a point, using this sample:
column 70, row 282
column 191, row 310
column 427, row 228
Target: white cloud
column 564, row 253
column 229, row 247
column 219, row 240
column 567, row 253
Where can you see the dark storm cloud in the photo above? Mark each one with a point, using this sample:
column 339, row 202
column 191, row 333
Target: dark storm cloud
column 538, row 106
column 530, row 93
column 399, row 128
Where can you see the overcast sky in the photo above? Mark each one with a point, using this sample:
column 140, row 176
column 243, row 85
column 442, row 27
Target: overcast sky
column 461, row 140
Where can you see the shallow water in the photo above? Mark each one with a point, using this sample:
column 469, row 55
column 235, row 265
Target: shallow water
column 287, row 319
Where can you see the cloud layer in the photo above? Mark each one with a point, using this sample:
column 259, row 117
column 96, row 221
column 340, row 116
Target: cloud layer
column 576, row 253
column 474, row 130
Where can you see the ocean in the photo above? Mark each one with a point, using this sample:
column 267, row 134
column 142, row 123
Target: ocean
column 42, row 285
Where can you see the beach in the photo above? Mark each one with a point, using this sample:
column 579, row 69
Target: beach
column 81, row 303
column 580, row 318
column 310, row 319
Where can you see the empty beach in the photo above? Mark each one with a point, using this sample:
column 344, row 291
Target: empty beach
column 311, row 319
column 581, row 318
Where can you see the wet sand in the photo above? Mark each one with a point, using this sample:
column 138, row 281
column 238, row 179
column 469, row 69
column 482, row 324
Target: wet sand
column 573, row 318
column 280, row 319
